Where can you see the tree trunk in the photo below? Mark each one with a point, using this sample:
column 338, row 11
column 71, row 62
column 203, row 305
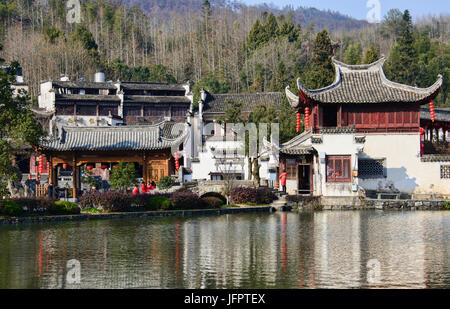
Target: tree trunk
column 256, row 177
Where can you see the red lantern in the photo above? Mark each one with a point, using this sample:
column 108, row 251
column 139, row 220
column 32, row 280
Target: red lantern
column 65, row 166
column 433, row 115
column 104, row 167
column 299, row 122
column 29, row 177
column 177, row 162
column 90, row 167
column 306, row 117
column 41, row 164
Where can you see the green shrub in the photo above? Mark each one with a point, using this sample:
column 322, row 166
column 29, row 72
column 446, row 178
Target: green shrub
column 10, row 208
column 212, row 202
column 157, row 203
column 64, row 208
column 186, row 201
column 166, row 183
column 35, row 205
column 446, row 206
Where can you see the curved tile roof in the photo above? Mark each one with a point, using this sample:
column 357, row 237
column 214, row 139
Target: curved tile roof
column 365, row 84
column 155, row 137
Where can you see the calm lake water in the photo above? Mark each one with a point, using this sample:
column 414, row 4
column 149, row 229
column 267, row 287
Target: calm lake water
column 309, row 250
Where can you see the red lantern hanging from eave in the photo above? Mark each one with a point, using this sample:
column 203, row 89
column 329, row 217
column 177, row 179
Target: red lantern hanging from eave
column 65, row 166
column 90, row 167
column 307, row 118
column 299, row 122
column 177, row 161
column 432, row 113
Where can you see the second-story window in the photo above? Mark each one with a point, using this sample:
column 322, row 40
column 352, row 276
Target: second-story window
column 156, row 111
column 65, row 109
column 132, row 111
column 86, row 110
column 105, row 110
column 179, row 111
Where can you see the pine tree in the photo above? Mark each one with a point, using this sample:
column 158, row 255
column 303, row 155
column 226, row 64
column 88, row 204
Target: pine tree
column 353, row 54
column 255, row 37
column 271, row 29
column 281, row 79
column 371, row 55
column 320, row 72
column 402, row 65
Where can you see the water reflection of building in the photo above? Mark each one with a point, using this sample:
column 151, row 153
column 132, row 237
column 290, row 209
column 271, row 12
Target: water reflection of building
column 337, row 249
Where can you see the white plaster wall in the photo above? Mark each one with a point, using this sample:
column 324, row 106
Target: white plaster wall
column 207, row 164
column 46, row 99
column 335, row 145
column 405, row 170
column 86, row 121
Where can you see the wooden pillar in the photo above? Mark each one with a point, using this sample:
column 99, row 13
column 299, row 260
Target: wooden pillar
column 74, row 177
column 50, row 171
column 145, row 168
column 339, row 116
column 168, row 167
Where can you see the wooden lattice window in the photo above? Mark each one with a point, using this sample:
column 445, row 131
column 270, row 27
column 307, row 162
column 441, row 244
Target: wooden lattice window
column 339, row 169
column 65, row 109
column 104, row 110
column 291, row 168
column 372, row 168
column 445, row 171
column 86, row 110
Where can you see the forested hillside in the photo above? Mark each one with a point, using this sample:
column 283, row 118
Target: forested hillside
column 222, row 46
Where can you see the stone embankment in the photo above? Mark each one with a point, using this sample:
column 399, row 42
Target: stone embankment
column 339, row 203
column 176, row 213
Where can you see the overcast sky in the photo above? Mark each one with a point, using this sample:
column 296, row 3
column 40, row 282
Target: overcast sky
column 358, row 8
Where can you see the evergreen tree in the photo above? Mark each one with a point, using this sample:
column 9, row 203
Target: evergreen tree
column 256, row 36
column 320, row 72
column 287, row 121
column 84, row 36
column 271, row 29
column 371, row 55
column 123, row 176
column 402, row 65
column 233, row 113
column 281, row 78
column 17, row 123
column 353, row 54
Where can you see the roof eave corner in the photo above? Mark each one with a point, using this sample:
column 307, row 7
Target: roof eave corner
column 294, row 100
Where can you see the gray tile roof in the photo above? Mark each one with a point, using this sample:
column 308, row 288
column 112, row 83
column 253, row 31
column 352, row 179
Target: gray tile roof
column 295, row 147
column 436, row 158
column 365, row 84
column 299, row 150
column 83, row 85
column 157, row 99
column 151, row 86
column 442, row 114
column 155, row 137
column 217, row 103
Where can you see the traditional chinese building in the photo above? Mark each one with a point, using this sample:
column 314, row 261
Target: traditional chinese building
column 363, row 137
column 215, row 152
column 98, row 124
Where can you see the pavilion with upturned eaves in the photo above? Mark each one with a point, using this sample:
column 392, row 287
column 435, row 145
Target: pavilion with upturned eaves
column 363, row 137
